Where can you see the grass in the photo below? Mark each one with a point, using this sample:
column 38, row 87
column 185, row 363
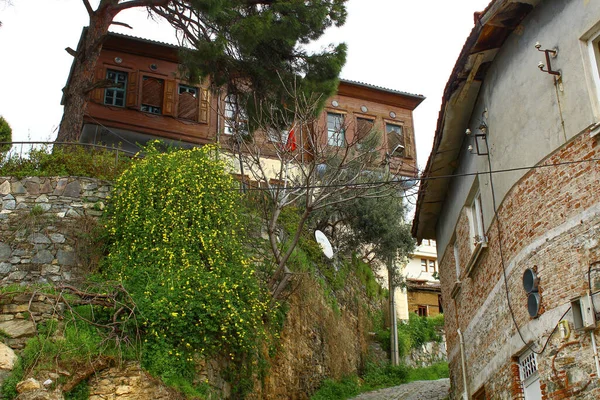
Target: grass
column 377, row 377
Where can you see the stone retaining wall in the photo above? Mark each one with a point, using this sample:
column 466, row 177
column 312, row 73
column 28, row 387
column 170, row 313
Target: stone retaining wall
column 45, row 227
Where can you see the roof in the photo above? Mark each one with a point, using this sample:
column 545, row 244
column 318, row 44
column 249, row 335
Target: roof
column 383, row 89
column 423, row 285
column 492, row 27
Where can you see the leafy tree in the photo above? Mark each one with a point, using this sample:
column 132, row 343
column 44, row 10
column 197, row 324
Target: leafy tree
column 5, row 135
column 246, row 45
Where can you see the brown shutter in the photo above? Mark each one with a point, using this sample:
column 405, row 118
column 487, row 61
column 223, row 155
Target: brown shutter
column 187, row 107
column 98, row 94
column 169, row 98
column 132, row 90
column 153, row 91
column 204, row 107
column 408, row 142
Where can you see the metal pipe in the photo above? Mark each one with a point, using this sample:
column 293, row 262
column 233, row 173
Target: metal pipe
column 595, row 348
column 463, row 365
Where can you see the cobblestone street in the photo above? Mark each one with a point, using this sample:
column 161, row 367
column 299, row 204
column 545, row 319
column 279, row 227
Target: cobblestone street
column 418, row 390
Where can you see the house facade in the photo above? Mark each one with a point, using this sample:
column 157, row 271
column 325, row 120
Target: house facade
column 149, row 99
column 422, row 292
column 510, row 194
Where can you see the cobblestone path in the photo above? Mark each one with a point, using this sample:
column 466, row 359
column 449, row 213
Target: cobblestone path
column 418, row 390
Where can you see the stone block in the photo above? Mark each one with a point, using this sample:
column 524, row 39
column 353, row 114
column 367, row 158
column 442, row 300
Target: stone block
column 15, row 308
column 42, row 199
column 5, row 251
column 28, row 385
column 18, row 188
column 72, row 189
column 37, row 238
column 57, row 238
column 18, row 328
column 45, row 206
column 66, row 257
column 42, row 307
column 50, row 269
column 90, row 185
column 5, row 267
column 33, row 188
column 42, row 257
column 9, row 204
column 72, row 213
column 60, row 187
column 17, row 275
column 46, row 187
column 5, row 187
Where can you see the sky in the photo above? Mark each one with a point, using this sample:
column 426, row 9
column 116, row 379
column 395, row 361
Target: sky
column 407, row 45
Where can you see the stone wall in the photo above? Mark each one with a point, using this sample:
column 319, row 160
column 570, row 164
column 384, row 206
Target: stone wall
column 46, row 226
column 550, row 222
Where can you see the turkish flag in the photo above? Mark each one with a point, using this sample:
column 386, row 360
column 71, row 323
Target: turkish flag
column 290, row 145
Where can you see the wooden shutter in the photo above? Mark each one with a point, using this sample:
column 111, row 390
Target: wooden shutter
column 204, row 106
column 394, row 139
column 408, row 142
column 98, row 94
column 188, row 106
column 363, row 128
column 132, row 90
column 169, row 98
column 152, row 91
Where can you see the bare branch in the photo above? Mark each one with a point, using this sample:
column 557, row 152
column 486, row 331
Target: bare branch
column 88, row 7
column 121, row 24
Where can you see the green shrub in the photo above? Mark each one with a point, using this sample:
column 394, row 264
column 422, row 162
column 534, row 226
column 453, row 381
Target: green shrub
column 174, row 223
column 332, row 390
column 65, row 161
column 5, row 135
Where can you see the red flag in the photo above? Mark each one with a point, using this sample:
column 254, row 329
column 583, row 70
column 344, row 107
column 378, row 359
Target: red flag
column 290, row 145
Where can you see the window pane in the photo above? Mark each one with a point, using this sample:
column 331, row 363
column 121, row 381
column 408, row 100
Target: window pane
column 115, row 95
column 395, row 138
column 335, row 129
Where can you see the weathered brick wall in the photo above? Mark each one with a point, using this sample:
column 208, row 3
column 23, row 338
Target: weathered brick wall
column 550, row 221
column 46, row 227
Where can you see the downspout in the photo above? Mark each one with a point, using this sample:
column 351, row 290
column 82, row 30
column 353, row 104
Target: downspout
column 463, row 365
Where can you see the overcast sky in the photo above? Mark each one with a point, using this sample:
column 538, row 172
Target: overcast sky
column 408, row 45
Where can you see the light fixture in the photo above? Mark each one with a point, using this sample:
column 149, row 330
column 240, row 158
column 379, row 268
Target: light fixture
column 392, row 114
column 468, row 132
column 548, row 53
column 364, row 109
column 118, row 60
column 335, row 103
column 153, row 67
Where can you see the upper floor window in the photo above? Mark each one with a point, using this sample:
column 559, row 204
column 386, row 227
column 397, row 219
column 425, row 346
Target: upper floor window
column 115, row 96
column 421, row 311
column 364, row 126
column 336, row 134
column 152, row 95
column 476, row 226
column 236, row 120
column 395, row 139
column 187, row 102
column 428, row 265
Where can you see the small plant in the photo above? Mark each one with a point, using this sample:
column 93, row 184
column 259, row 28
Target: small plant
column 36, row 211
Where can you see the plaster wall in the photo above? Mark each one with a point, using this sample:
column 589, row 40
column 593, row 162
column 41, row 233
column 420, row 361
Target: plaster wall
column 529, row 114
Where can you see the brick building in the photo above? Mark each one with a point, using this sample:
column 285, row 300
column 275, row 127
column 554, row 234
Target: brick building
column 510, row 194
column 153, row 100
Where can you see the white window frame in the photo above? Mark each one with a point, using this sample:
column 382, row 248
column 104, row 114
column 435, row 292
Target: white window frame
column 530, row 378
column 236, row 120
column 591, row 54
column 336, row 136
column 476, row 225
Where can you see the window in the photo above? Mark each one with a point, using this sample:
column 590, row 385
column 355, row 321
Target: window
column 530, row 378
column 476, row 222
column 480, row 394
column 428, row 265
column 236, row 120
column 592, row 42
column 336, row 134
column 456, row 261
column 188, row 102
column 422, row 311
column 432, row 266
column 395, row 139
column 278, row 136
column 115, row 96
column 152, row 95
column 364, row 126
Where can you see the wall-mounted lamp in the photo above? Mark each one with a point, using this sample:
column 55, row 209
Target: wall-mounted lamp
column 480, row 139
column 548, row 53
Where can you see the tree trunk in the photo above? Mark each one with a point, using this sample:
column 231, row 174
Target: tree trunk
column 82, row 76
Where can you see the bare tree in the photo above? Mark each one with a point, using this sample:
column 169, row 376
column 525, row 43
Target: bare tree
column 297, row 161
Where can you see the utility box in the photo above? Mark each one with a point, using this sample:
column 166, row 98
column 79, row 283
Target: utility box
column 584, row 317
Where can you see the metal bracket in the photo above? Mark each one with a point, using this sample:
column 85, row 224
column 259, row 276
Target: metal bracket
column 547, row 52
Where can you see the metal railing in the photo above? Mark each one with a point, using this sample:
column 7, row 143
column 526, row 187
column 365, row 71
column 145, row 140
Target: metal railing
column 21, row 150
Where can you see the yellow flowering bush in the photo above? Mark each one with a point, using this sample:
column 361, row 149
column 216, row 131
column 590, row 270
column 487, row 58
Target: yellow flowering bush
column 176, row 246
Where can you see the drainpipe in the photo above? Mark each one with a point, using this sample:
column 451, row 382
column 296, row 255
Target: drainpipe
column 463, row 365
column 595, row 354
